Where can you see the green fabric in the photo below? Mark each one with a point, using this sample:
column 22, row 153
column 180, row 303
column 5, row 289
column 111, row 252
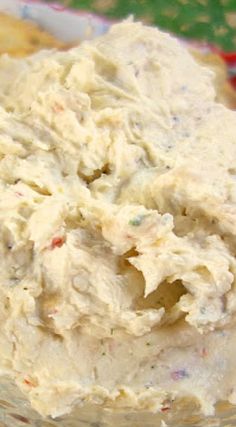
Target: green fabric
column 212, row 20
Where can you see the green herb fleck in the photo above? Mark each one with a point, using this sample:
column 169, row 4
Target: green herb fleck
column 152, row 367
column 103, row 353
column 136, row 221
column 203, row 310
column 112, row 331
column 148, row 343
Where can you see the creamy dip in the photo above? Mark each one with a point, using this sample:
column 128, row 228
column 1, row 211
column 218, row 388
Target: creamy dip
column 117, row 226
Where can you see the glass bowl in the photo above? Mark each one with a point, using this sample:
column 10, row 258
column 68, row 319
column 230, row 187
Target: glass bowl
column 15, row 411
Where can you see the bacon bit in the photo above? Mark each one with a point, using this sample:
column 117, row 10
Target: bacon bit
column 57, row 242
column 58, row 108
column 203, row 352
column 166, row 408
column 29, row 383
column 20, row 418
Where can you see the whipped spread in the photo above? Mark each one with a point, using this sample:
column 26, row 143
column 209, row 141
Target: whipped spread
column 117, row 226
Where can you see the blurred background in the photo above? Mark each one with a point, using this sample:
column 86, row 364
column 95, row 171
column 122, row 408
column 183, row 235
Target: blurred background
column 207, row 20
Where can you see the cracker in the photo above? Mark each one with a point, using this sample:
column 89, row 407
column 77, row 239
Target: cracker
column 21, row 38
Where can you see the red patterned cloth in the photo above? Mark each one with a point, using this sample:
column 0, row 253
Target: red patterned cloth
column 230, row 59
